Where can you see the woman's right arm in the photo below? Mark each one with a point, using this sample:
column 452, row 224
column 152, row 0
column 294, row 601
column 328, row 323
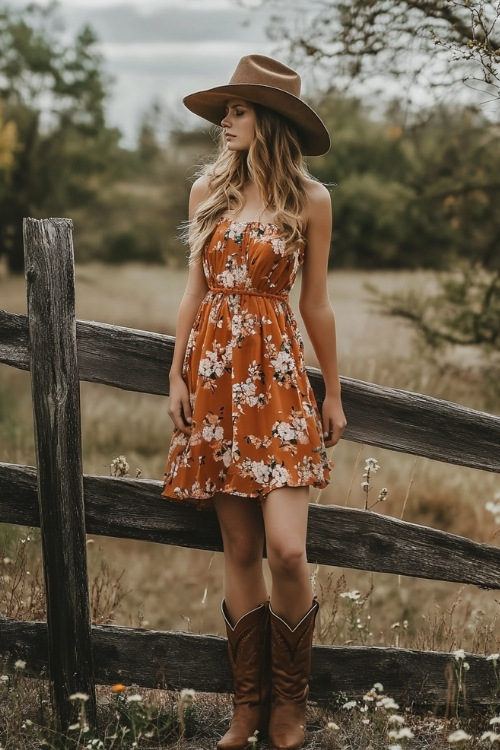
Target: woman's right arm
column 179, row 407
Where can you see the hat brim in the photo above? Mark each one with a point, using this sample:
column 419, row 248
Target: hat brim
column 211, row 105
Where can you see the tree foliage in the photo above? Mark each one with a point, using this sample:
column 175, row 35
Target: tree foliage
column 53, row 95
column 424, row 43
column 411, row 194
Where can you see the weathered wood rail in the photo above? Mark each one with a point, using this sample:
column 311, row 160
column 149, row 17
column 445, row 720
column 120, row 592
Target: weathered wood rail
column 59, row 351
column 343, row 537
column 385, row 417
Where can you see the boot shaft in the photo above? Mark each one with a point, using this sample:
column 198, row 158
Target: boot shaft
column 291, row 650
column 248, row 649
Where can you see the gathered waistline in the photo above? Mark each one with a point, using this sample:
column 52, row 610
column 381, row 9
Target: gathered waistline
column 248, row 292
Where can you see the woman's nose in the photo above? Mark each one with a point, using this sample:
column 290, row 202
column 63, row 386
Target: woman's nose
column 225, row 121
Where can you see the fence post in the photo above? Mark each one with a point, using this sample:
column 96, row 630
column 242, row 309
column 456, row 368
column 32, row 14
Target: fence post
column 49, row 264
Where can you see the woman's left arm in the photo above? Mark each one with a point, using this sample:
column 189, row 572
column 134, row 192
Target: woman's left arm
column 316, row 309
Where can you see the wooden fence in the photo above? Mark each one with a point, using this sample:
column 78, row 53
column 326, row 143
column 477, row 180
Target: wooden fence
column 65, row 504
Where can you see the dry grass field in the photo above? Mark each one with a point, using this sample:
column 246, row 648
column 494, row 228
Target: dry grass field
column 174, row 588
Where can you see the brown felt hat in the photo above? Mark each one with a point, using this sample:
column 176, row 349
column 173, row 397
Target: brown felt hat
column 262, row 80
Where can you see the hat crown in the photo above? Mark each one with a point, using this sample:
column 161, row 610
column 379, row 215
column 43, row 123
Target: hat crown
column 264, row 71
column 264, row 81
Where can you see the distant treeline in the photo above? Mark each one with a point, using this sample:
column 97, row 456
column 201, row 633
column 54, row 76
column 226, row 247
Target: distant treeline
column 406, row 192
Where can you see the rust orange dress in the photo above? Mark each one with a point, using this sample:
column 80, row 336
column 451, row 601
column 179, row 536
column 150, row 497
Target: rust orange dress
column 255, row 422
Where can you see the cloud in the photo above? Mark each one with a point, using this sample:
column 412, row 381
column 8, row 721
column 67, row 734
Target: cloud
column 126, row 24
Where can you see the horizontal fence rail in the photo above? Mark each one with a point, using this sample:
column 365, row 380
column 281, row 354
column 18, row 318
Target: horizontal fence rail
column 384, row 417
column 174, row 660
column 343, row 537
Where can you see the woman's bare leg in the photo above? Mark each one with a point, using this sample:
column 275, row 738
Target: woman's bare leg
column 285, row 512
column 242, row 529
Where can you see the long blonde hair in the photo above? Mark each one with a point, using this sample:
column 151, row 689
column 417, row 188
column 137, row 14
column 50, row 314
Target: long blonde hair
column 274, row 162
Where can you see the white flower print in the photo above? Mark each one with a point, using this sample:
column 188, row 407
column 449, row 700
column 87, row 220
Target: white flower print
column 233, row 276
column 245, row 394
column 211, row 366
column 212, row 432
column 242, row 325
column 278, row 245
column 284, row 431
column 260, row 472
column 280, row 475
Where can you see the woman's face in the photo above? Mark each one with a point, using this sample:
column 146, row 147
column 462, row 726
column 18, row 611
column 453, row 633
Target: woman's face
column 239, row 124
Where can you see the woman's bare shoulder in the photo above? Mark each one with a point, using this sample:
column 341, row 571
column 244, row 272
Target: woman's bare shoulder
column 318, row 198
column 201, row 187
column 317, row 192
column 200, row 190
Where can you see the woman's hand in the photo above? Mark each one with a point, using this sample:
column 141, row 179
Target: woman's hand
column 334, row 420
column 179, row 407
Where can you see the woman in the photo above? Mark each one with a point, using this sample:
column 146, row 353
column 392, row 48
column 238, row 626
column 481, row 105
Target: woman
column 249, row 440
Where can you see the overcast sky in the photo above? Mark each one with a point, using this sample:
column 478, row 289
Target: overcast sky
column 165, row 49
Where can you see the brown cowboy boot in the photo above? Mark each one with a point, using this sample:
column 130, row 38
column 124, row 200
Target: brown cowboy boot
column 248, row 647
column 291, row 668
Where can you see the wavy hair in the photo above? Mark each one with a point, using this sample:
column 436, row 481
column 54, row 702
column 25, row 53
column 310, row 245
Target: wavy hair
column 274, row 162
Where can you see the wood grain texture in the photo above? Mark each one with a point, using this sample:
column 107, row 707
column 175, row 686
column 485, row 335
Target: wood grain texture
column 49, row 264
column 386, row 417
column 343, row 537
column 176, row 660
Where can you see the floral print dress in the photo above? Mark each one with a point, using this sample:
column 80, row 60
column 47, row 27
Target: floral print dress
column 255, row 422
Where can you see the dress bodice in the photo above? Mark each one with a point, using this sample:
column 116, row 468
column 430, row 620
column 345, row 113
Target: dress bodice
column 250, row 256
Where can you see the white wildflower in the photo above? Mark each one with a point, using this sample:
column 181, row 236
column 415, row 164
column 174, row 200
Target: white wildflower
column 459, row 736
column 396, row 719
column 388, row 703
column 20, row 664
column 459, row 654
column 83, row 697
column 353, row 595
column 378, row 687
column 135, row 698
column 495, row 720
column 371, row 464
column 401, row 734
column 331, row 725
column 493, row 657
column 119, row 467
column 491, row 736
column 350, row 704
column 188, row 694
column 493, row 508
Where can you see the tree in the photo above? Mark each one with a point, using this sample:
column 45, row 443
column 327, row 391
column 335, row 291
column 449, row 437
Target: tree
column 412, row 41
column 9, row 144
column 54, row 93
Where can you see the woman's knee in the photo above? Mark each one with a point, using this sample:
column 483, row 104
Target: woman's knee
column 286, row 558
column 242, row 550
